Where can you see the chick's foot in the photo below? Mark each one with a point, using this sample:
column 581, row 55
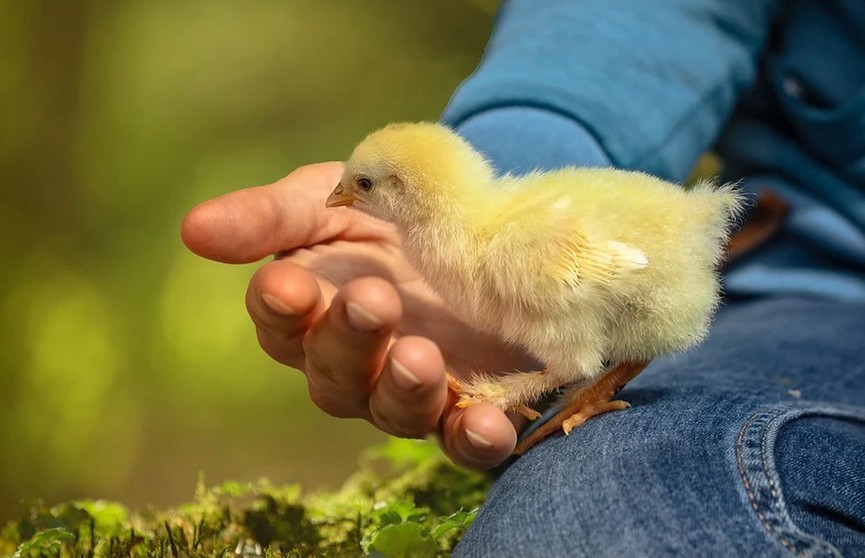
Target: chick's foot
column 588, row 401
column 488, row 391
column 454, row 384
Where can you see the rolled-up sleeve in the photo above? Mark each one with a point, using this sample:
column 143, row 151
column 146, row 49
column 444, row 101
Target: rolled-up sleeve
column 652, row 82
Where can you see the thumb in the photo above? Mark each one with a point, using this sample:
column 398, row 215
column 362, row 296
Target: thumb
column 250, row 224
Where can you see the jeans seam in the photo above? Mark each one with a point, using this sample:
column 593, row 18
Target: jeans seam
column 752, row 497
column 754, row 446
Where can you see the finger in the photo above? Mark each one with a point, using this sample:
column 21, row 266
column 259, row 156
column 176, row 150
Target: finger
column 283, row 300
column 345, row 349
column 410, row 394
column 479, row 437
column 250, row 224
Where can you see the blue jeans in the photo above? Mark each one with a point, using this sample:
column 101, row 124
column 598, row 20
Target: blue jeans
column 752, row 444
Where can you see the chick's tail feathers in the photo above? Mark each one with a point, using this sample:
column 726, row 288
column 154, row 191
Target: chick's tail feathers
column 720, row 208
column 740, row 223
column 726, row 202
column 765, row 219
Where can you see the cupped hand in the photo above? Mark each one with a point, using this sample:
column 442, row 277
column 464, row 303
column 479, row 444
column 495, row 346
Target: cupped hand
column 341, row 303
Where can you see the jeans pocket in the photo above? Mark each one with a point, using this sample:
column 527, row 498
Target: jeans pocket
column 757, row 460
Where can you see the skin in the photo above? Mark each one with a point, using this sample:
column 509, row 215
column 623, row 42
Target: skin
column 341, row 304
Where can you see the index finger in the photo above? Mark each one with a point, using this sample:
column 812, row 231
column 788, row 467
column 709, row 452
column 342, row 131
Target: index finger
column 250, row 224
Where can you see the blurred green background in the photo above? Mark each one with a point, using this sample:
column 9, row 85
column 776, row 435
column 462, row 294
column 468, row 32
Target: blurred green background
column 128, row 365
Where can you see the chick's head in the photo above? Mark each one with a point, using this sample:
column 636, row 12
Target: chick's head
column 405, row 173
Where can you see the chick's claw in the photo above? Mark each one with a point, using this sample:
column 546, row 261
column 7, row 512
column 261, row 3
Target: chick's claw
column 527, row 411
column 461, row 390
column 592, row 410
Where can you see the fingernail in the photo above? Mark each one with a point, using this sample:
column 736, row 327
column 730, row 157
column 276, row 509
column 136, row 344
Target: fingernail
column 477, row 440
column 360, row 318
column 277, row 305
column 404, row 377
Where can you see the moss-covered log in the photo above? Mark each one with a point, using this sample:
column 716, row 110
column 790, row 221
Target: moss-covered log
column 406, row 500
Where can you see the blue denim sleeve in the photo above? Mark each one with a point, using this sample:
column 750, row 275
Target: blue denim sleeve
column 518, row 140
column 652, row 83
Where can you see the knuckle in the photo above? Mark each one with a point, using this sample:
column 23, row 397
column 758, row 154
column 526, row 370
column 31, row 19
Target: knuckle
column 267, row 342
column 278, row 348
column 320, row 366
column 260, row 314
column 327, row 402
column 402, row 428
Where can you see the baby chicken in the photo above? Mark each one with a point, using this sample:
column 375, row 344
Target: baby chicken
column 583, row 268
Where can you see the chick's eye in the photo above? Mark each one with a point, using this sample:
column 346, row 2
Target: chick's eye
column 364, row 183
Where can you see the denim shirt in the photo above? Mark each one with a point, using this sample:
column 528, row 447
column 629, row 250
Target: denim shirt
column 777, row 88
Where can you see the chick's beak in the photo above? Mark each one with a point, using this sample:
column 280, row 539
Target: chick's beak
column 339, row 197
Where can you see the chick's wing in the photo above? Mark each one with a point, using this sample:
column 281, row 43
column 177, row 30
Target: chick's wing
column 582, row 247
column 542, row 234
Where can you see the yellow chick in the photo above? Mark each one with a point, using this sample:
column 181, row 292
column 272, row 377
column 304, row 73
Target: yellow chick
column 581, row 267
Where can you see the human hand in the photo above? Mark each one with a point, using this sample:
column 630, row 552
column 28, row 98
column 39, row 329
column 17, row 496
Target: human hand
column 341, row 303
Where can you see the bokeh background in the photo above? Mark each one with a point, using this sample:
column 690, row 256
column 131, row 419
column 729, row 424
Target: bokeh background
column 128, row 365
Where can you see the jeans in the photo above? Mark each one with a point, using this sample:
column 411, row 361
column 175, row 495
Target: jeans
column 753, row 444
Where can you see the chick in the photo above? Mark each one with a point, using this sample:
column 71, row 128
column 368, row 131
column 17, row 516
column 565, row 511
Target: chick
column 583, row 268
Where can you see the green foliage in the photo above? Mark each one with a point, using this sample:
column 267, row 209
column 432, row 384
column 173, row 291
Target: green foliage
column 128, row 363
column 49, row 542
column 394, row 506
column 404, row 540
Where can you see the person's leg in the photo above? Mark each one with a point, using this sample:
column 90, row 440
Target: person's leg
column 751, row 445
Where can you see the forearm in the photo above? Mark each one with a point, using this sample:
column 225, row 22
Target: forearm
column 521, row 139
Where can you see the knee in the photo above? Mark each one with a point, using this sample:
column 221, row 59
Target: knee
column 677, row 480
column 629, row 483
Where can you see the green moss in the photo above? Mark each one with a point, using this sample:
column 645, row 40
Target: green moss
column 406, row 500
